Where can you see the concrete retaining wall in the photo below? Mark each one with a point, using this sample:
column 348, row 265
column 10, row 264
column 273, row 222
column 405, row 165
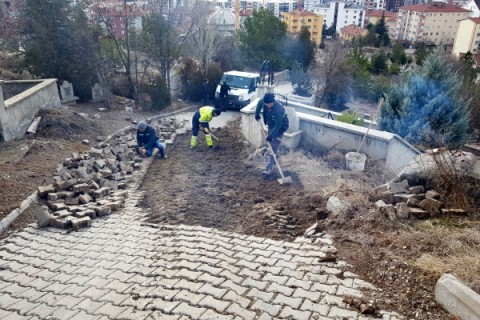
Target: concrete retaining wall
column 334, row 134
column 17, row 113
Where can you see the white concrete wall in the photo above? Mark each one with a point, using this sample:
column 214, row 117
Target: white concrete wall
column 334, row 134
column 17, row 113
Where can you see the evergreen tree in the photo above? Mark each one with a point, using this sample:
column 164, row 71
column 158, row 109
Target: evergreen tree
column 379, row 63
column 306, row 47
column 58, row 43
column 398, row 54
column 421, row 53
column 301, row 80
column 260, row 38
column 426, row 108
column 381, row 30
column 300, row 49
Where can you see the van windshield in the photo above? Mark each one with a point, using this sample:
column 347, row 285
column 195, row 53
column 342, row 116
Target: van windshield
column 238, row 81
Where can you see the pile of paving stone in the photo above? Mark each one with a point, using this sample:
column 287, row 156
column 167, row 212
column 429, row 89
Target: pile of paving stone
column 92, row 184
column 401, row 201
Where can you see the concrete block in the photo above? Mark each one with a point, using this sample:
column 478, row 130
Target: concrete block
column 416, row 189
column 457, row 298
column 380, row 204
column 62, row 214
column 418, row 213
column 93, row 185
column 432, row 206
column 95, row 153
column 82, row 187
column 103, row 210
column 65, row 184
column 85, row 198
column 43, row 191
column 81, row 222
column 413, row 202
column 398, row 187
column 53, row 196
column 387, row 197
column 457, row 212
column 402, row 197
column 43, row 217
column 71, row 201
column 57, row 205
column 102, row 192
column 61, row 223
column 381, row 189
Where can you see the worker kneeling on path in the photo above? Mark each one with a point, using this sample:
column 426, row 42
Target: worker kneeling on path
column 200, row 121
column 275, row 117
column 147, row 140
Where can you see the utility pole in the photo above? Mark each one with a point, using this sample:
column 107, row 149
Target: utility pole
column 237, row 14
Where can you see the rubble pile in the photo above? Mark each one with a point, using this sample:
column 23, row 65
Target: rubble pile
column 401, row 201
column 93, row 184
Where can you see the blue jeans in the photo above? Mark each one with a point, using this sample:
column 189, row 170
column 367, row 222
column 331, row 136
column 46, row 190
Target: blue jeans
column 160, row 148
column 275, row 145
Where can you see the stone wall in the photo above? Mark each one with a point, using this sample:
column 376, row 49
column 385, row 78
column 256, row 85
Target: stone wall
column 17, row 112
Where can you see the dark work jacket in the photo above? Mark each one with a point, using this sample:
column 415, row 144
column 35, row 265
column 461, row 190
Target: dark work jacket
column 276, row 118
column 146, row 138
column 224, row 88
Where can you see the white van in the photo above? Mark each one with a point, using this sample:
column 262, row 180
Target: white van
column 243, row 88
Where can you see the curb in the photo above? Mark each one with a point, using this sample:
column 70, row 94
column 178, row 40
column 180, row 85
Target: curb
column 457, row 298
column 12, row 216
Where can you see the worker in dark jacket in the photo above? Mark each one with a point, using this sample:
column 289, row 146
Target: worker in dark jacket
column 200, row 121
column 224, row 88
column 275, row 117
column 147, row 140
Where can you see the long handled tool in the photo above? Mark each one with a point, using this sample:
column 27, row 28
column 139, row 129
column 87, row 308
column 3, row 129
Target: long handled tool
column 282, row 179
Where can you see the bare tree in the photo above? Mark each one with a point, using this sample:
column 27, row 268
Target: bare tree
column 206, row 41
column 332, row 76
column 121, row 50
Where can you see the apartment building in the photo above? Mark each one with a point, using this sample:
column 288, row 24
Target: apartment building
column 341, row 14
column 474, row 6
column 115, row 14
column 276, row 6
column 297, row 19
column 372, row 15
column 374, row 4
column 434, row 23
column 467, row 37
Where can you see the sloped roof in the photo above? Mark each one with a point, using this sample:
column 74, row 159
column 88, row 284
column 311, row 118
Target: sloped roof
column 353, row 30
column 476, row 20
column 379, row 13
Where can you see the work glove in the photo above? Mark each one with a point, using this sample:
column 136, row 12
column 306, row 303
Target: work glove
column 270, row 139
column 257, row 117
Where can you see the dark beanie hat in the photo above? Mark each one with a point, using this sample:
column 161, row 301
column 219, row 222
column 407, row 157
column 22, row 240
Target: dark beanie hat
column 269, row 98
column 142, row 125
column 217, row 111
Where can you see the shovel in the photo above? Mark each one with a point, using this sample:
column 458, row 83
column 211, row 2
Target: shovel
column 282, row 179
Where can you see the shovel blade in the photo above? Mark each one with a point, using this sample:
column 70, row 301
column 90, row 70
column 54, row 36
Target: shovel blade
column 285, row 180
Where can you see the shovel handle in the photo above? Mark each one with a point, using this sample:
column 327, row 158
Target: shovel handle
column 276, row 161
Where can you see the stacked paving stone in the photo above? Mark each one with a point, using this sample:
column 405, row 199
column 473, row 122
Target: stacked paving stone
column 401, row 201
column 92, row 184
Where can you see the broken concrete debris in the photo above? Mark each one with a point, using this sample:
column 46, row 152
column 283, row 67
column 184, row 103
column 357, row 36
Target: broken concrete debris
column 398, row 200
column 91, row 184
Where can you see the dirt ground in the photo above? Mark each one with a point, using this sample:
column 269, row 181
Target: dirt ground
column 222, row 189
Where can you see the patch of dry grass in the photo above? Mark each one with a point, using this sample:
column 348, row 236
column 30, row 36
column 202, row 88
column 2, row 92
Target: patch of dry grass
column 445, row 246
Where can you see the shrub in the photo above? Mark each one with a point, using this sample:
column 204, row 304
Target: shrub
column 350, row 117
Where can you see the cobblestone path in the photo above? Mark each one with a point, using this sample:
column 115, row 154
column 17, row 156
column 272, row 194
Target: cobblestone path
column 121, row 268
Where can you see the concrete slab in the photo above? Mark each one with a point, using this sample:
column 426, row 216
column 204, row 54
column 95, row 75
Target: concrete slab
column 457, row 298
